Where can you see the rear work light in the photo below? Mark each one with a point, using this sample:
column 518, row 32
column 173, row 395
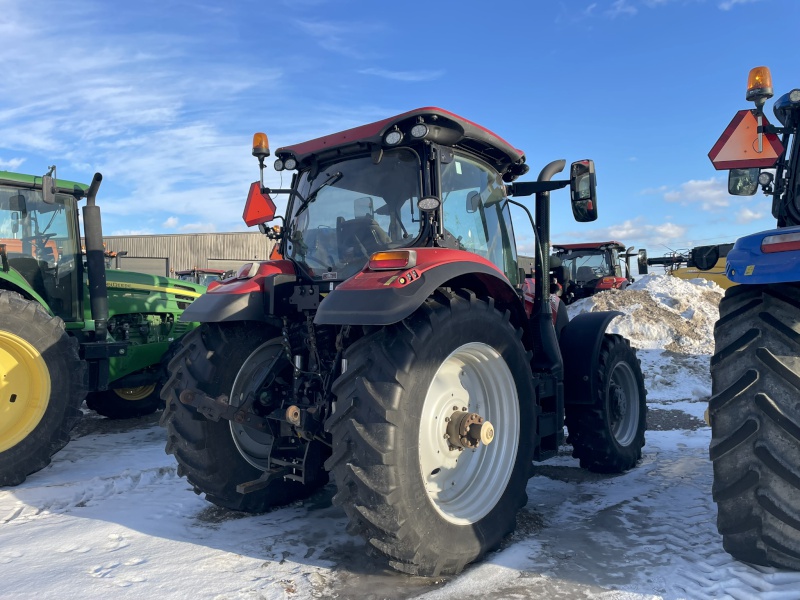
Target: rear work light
column 783, row 242
column 393, row 260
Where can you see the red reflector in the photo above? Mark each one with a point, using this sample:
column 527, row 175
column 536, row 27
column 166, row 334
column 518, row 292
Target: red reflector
column 783, row 242
column 259, row 208
column 389, row 261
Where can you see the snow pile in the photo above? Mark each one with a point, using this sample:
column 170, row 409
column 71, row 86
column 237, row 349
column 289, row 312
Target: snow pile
column 662, row 312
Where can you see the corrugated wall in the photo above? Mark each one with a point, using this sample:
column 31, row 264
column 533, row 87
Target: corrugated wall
column 193, row 249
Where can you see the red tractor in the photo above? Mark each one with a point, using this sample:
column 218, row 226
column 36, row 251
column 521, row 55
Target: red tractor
column 391, row 346
column 592, row 267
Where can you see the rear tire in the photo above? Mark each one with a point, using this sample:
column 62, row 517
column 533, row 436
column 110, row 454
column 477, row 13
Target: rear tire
column 210, row 360
column 42, row 387
column 428, row 508
column 607, row 435
column 131, row 402
column 755, row 424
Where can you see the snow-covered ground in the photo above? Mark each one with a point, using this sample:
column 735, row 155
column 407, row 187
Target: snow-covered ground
column 111, row 518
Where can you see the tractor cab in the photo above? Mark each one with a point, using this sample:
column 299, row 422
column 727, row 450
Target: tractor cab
column 426, row 178
column 589, row 268
column 40, row 244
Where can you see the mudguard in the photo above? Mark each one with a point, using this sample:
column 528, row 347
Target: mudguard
column 748, row 264
column 386, row 297
column 250, row 299
column 580, row 344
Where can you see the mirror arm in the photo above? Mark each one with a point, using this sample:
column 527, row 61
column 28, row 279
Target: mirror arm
column 528, row 188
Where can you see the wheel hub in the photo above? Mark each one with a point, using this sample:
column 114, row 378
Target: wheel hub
column 619, row 402
column 24, row 389
column 468, row 430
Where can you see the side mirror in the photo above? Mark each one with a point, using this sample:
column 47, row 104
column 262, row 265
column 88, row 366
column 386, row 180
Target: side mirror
column 583, row 192
column 14, row 222
column 48, row 190
column 743, row 182
column 17, row 204
column 642, row 262
column 473, row 202
column 363, row 207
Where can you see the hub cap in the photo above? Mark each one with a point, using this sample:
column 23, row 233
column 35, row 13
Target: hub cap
column 255, row 446
column 24, row 389
column 135, row 393
column 623, row 404
column 473, row 389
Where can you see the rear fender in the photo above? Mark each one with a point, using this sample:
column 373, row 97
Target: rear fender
column 251, row 299
column 580, row 344
column 387, row 297
column 14, row 282
column 748, row 264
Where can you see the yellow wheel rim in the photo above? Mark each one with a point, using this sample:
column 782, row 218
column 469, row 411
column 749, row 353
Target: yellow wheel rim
column 24, row 389
column 135, row 393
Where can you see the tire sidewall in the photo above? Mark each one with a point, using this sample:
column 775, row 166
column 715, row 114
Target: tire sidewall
column 446, row 336
column 619, row 354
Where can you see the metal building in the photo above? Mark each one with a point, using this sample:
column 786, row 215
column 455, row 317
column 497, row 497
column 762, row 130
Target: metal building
column 165, row 254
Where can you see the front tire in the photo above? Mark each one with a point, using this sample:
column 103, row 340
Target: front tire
column 755, row 424
column 41, row 388
column 607, row 435
column 216, row 456
column 418, row 500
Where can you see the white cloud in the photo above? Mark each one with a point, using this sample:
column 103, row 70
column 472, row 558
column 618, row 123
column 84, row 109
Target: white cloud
column 634, row 231
column 12, row 164
column 747, row 215
column 709, row 194
column 729, row 4
column 170, row 223
column 198, row 228
column 403, row 75
column 621, row 7
column 336, row 37
column 123, row 232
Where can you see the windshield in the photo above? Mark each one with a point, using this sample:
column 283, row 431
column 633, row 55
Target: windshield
column 40, row 245
column 585, row 265
column 475, row 217
column 353, row 209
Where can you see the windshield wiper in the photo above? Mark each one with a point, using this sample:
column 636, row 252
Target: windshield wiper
column 313, row 195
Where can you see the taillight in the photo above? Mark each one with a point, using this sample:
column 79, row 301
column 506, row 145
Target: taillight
column 783, row 242
column 393, row 260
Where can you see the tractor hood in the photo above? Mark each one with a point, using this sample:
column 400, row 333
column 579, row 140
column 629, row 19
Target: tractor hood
column 135, row 284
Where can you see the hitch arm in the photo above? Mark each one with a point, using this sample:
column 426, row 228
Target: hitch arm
column 218, row 408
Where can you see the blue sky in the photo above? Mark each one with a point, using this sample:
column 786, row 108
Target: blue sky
column 163, row 97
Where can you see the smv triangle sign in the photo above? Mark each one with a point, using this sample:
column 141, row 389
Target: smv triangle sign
column 737, row 147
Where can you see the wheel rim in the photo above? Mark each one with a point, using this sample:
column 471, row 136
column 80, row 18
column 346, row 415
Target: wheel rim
column 623, row 399
column 135, row 393
column 24, row 389
column 255, row 446
column 464, row 486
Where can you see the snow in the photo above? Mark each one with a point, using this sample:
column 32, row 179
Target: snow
column 110, row 517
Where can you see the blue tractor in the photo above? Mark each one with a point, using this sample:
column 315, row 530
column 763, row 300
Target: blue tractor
column 754, row 410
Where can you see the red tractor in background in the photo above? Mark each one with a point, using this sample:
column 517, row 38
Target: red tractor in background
column 392, row 346
column 591, row 267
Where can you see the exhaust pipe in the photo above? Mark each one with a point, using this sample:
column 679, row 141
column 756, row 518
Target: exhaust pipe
column 95, row 261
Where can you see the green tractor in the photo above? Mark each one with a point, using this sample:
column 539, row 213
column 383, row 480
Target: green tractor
column 68, row 328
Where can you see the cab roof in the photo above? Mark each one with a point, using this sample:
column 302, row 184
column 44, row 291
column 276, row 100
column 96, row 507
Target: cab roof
column 589, row 246
column 35, row 182
column 444, row 127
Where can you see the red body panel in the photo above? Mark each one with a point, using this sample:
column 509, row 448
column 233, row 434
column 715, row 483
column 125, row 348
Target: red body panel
column 427, row 259
column 610, row 283
column 255, row 283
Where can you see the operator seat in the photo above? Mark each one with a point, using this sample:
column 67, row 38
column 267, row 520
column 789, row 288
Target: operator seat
column 360, row 237
column 31, row 271
column 585, row 274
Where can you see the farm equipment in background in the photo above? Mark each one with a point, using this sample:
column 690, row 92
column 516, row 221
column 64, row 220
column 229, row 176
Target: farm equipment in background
column 588, row 268
column 704, row 262
column 201, row 276
column 67, row 329
column 754, row 410
column 391, row 345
